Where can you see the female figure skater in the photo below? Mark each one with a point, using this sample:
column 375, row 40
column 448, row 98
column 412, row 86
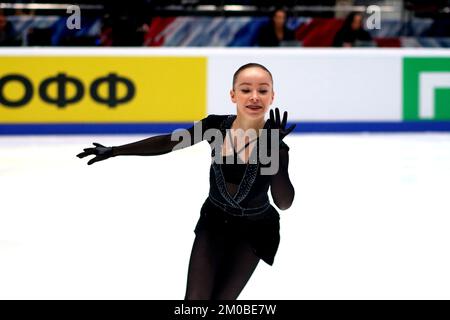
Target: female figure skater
column 237, row 226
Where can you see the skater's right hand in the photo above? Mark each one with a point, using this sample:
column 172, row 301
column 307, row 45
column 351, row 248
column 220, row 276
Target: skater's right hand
column 100, row 152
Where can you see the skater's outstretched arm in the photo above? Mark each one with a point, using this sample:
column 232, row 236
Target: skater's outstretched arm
column 152, row 146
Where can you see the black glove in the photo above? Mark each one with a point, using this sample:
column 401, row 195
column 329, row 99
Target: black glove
column 101, row 153
column 276, row 123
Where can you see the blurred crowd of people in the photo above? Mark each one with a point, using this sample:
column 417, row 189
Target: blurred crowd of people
column 276, row 33
column 129, row 26
column 7, row 34
column 124, row 30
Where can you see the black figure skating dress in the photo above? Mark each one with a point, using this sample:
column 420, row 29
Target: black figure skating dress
column 246, row 211
column 238, row 203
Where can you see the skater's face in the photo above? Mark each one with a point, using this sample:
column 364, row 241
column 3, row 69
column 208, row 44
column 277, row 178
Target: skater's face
column 253, row 92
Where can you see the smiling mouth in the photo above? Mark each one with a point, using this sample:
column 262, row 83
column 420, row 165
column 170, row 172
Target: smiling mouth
column 254, row 107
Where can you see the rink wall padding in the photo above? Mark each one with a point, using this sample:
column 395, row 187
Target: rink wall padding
column 156, row 90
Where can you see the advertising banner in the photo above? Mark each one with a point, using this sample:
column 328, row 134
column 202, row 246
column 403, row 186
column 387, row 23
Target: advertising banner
column 156, row 90
column 112, row 89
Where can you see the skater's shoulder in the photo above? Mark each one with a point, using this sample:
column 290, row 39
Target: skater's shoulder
column 215, row 120
column 214, row 116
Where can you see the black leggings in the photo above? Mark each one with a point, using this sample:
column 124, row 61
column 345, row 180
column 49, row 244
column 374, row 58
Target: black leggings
column 219, row 267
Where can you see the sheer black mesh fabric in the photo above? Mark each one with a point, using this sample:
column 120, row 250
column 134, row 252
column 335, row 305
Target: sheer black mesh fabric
column 220, row 266
column 160, row 144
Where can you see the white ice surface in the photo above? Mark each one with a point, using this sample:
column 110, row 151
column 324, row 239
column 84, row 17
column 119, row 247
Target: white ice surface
column 370, row 220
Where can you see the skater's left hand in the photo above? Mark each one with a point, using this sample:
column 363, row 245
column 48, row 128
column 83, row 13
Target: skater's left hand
column 276, row 123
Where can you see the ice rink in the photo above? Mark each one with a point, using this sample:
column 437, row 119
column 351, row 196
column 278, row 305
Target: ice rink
column 370, row 219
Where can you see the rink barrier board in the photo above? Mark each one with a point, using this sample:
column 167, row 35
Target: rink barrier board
column 339, row 110
column 122, row 89
column 159, row 128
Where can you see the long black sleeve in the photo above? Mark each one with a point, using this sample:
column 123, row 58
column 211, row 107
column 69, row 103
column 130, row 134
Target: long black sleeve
column 161, row 144
column 281, row 187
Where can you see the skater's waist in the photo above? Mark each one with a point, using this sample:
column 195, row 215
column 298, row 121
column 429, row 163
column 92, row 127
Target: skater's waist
column 238, row 210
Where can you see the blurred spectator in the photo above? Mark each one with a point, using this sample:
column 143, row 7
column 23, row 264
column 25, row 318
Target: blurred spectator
column 105, row 38
column 40, row 36
column 127, row 24
column 439, row 28
column 7, row 34
column 275, row 32
column 351, row 32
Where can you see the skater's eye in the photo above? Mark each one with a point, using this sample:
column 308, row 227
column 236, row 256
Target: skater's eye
column 245, row 90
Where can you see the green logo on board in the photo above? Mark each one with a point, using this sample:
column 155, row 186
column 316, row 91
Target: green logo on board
column 426, row 88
